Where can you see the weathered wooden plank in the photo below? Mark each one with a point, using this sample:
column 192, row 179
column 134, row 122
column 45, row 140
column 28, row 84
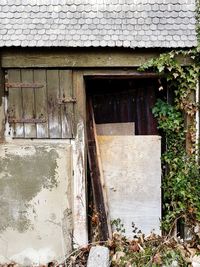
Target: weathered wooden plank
column 80, row 217
column 127, row 128
column 79, row 92
column 95, row 174
column 15, row 104
column 53, row 107
column 104, row 57
column 102, row 178
column 118, row 74
column 75, row 58
column 41, row 103
column 2, row 104
column 67, row 116
column 28, row 99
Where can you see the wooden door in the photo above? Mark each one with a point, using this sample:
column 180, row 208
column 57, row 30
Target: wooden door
column 40, row 103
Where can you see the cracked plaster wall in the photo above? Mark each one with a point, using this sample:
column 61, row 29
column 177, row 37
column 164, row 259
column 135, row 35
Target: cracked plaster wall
column 35, row 202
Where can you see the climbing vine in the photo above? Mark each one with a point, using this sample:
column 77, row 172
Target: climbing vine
column 181, row 179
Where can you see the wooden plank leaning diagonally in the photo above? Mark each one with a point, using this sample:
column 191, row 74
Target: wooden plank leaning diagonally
column 96, row 173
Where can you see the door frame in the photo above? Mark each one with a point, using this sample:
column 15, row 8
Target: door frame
column 80, row 234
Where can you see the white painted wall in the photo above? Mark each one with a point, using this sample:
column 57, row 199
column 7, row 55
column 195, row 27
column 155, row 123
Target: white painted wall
column 132, row 169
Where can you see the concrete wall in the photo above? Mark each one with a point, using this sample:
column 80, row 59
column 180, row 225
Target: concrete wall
column 132, row 171
column 35, row 201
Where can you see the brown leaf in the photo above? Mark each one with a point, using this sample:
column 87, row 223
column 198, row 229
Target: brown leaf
column 157, row 259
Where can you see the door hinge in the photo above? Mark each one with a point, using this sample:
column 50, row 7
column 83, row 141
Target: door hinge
column 14, row 120
column 23, row 85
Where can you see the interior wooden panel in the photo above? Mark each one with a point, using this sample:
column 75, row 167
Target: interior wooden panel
column 127, row 128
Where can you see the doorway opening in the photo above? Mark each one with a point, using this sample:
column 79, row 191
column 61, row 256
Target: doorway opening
column 120, row 107
column 125, row 100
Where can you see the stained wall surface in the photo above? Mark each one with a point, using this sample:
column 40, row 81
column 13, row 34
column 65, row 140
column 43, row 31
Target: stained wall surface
column 35, row 202
column 132, row 173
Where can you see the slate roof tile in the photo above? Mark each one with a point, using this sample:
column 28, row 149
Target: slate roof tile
column 79, row 23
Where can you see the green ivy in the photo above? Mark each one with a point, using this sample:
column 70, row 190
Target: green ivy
column 181, row 181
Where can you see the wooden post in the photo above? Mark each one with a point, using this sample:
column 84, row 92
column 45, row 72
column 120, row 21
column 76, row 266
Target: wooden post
column 80, row 232
column 2, row 112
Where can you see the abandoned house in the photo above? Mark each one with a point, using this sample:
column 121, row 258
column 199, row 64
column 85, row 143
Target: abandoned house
column 73, row 108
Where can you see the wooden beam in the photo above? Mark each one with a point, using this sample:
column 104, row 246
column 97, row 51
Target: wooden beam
column 118, row 74
column 102, row 178
column 80, row 230
column 79, row 57
column 2, row 100
column 98, row 186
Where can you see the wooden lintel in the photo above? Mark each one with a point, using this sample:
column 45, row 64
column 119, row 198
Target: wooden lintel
column 78, row 58
column 119, row 74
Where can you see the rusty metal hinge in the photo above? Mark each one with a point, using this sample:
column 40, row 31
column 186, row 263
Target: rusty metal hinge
column 62, row 101
column 14, row 120
column 23, row 85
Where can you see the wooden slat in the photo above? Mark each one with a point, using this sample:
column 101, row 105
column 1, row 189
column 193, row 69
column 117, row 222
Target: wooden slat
column 95, row 173
column 67, row 117
column 28, row 104
column 53, row 107
column 15, row 103
column 41, row 103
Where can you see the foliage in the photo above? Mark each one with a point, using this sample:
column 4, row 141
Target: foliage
column 181, row 183
column 139, row 251
column 118, row 225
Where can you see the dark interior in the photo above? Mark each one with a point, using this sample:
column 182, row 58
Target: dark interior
column 125, row 100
